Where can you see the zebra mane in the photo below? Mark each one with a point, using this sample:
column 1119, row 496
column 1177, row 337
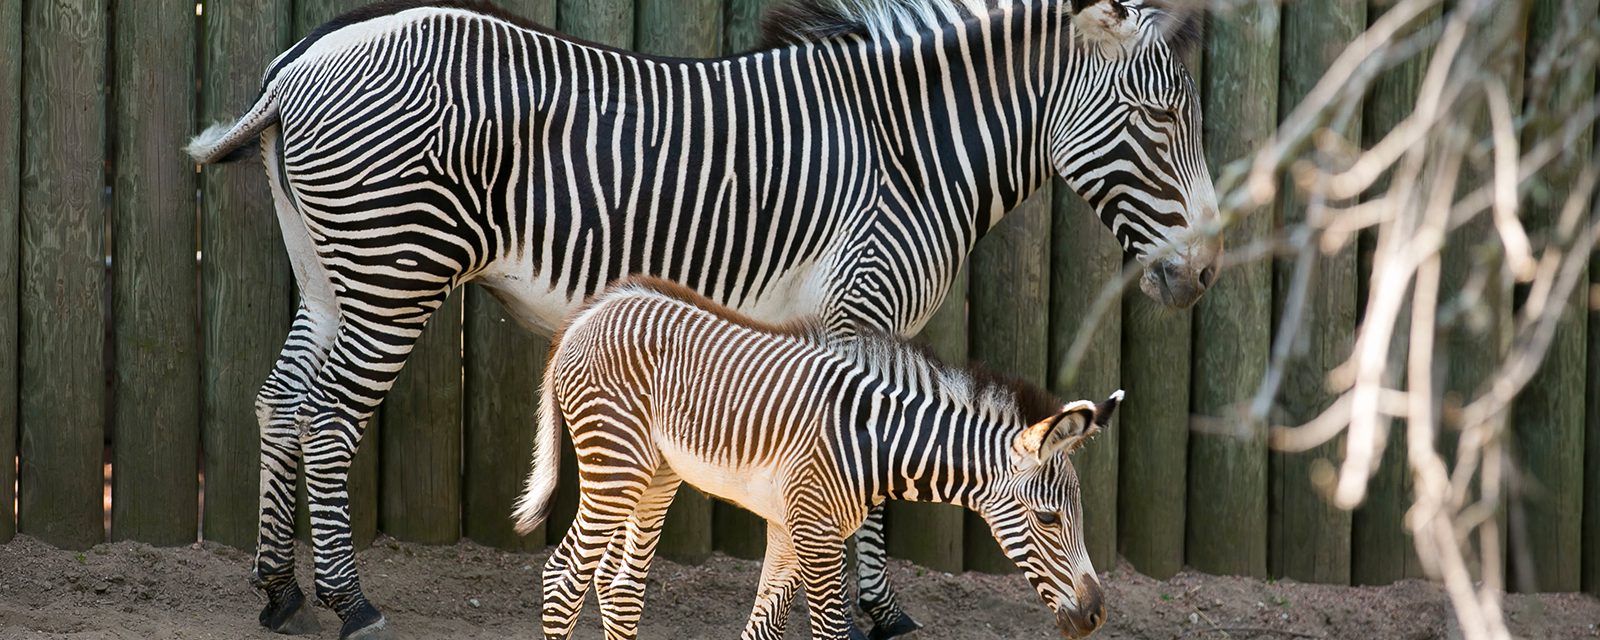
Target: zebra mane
column 1181, row 22
column 798, row 21
column 907, row 362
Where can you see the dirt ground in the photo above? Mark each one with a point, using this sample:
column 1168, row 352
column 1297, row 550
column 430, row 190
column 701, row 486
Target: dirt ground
column 128, row 590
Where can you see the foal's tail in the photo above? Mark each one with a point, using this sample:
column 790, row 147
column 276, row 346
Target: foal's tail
column 534, row 505
column 224, row 142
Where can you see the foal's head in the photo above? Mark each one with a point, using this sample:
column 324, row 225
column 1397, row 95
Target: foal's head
column 1034, row 512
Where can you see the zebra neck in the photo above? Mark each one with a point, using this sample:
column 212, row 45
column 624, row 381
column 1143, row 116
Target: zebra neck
column 941, row 454
column 988, row 92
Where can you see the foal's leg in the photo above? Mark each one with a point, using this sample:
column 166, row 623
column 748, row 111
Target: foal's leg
column 277, row 403
column 610, row 489
column 821, row 551
column 620, row 582
column 780, row 581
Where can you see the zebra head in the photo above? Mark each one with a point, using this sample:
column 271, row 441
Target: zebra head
column 1125, row 134
column 1035, row 514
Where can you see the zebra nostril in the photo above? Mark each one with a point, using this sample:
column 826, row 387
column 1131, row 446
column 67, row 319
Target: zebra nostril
column 1208, row 275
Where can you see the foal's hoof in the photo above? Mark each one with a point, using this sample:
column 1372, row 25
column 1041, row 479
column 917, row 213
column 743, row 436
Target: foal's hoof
column 366, row 624
column 899, row 628
column 856, row 634
column 290, row 616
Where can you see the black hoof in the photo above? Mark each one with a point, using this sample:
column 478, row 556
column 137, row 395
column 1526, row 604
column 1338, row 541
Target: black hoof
column 900, row 627
column 290, row 615
column 365, row 623
column 856, row 634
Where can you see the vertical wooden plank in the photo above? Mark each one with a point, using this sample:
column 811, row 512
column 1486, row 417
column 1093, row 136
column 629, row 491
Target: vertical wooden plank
column 1085, row 259
column 421, row 454
column 1381, row 550
column 925, row 533
column 686, row 28
column 62, row 390
column 157, row 389
column 1311, row 537
column 1591, row 442
column 1549, row 414
column 364, row 467
column 1227, row 489
column 245, row 282
column 735, row 531
column 1008, row 288
column 608, row 22
column 10, row 201
column 502, row 367
column 741, row 24
column 1153, row 443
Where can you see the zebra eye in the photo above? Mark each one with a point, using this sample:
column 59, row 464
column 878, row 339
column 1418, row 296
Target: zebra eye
column 1047, row 517
column 1162, row 114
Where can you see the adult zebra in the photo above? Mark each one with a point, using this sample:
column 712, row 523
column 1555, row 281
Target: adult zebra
column 414, row 147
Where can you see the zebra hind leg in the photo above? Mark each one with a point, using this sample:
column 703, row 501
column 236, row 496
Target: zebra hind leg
column 361, row 366
column 876, row 598
column 620, row 581
column 606, row 500
column 276, row 405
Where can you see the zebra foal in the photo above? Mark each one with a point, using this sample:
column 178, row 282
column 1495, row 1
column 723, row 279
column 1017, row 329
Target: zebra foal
column 660, row 385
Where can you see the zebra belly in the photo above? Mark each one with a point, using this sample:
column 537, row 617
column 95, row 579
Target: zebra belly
column 754, row 486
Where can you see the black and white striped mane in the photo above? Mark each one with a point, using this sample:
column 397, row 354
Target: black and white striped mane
column 885, row 356
column 798, row 21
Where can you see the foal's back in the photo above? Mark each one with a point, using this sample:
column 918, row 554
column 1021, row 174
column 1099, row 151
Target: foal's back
column 734, row 406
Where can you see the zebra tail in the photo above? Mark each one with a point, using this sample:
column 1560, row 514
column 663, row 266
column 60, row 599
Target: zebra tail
column 225, row 142
column 534, row 505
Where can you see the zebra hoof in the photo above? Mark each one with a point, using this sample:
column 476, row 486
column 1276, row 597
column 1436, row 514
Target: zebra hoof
column 856, row 634
column 290, row 616
column 901, row 627
column 366, row 624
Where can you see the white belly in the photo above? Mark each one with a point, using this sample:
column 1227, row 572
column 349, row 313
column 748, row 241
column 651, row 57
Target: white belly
column 754, row 487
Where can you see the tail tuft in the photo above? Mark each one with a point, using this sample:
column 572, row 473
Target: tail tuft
column 229, row 141
column 533, row 506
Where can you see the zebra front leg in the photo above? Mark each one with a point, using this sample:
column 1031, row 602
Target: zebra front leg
column 820, row 551
column 277, row 403
column 875, row 596
column 780, row 581
column 620, row 581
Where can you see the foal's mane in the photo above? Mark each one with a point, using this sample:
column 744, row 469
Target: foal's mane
column 883, row 354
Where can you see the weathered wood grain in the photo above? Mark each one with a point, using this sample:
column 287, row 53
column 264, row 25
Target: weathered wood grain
column 1549, row 414
column 62, row 299
column 10, row 224
column 1311, row 537
column 687, row 28
column 246, row 287
column 157, row 365
column 1085, row 258
column 741, row 26
column 1381, row 550
column 1008, row 287
column 420, row 460
column 931, row 534
column 1227, row 489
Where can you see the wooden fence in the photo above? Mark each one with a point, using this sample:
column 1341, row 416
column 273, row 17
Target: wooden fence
column 147, row 369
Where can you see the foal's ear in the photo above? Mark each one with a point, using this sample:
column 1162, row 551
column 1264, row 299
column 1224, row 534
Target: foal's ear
column 1066, row 431
column 1106, row 24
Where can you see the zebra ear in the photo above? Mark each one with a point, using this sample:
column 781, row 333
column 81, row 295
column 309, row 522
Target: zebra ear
column 1105, row 24
column 1064, row 431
